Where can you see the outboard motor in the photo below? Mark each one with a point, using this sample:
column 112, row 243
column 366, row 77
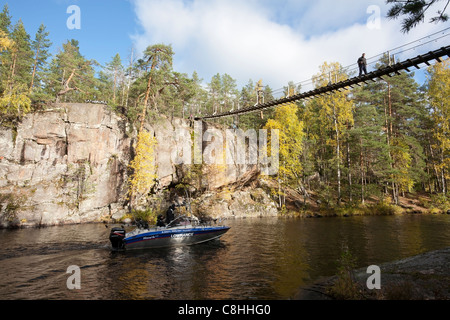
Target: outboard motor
column 116, row 237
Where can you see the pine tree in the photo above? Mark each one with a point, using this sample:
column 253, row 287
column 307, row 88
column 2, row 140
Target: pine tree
column 198, row 96
column 40, row 46
column 415, row 10
column 400, row 104
column 157, row 57
column 71, row 76
column 404, row 108
column 5, row 20
column 115, row 73
column 223, row 95
column 370, row 153
column 22, row 56
column 172, row 94
column 104, row 87
column 248, row 98
column 214, row 87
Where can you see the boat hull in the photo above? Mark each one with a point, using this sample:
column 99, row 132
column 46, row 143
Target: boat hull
column 173, row 237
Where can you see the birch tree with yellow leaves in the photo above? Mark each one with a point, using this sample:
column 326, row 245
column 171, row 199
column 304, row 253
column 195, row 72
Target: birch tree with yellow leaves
column 335, row 115
column 143, row 167
column 5, row 42
column 291, row 146
column 439, row 98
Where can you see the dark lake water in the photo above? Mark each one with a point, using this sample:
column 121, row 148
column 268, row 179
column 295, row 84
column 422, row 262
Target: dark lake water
column 268, row 258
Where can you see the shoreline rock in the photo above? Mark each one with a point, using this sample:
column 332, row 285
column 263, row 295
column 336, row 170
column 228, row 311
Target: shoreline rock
column 425, row 276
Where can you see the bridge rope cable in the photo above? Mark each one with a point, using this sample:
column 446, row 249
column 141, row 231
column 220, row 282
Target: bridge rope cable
column 351, row 69
column 372, row 61
column 379, row 73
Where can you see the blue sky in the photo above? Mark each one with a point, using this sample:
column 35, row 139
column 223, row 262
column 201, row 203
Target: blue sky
column 106, row 25
column 274, row 40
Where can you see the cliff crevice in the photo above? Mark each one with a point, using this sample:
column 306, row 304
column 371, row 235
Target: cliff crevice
column 69, row 164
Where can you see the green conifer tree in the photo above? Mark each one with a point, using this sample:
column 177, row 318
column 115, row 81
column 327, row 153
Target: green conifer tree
column 40, row 46
column 71, row 76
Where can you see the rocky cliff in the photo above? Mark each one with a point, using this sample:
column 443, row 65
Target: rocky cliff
column 64, row 165
column 68, row 164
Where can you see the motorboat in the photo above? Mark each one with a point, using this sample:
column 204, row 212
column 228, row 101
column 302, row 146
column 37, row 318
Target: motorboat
column 180, row 232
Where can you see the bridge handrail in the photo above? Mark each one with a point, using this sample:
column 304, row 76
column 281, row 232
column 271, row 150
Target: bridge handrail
column 385, row 71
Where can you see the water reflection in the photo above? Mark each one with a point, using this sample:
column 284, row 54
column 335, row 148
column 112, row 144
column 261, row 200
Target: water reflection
column 257, row 259
column 169, row 273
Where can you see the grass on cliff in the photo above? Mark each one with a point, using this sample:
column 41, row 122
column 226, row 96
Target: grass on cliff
column 148, row 215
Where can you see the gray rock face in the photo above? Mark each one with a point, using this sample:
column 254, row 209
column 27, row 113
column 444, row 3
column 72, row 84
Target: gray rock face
column 236, row 204
column 69, row 164
column 64, row 165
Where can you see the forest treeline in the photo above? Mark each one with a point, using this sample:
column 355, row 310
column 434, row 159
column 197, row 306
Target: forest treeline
column 30, row 78
column 383, row 139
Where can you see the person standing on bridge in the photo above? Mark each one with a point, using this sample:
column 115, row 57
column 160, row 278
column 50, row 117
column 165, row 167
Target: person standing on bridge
column 362, row 63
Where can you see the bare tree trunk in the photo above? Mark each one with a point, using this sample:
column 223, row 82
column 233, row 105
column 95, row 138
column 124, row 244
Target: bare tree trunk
column 115, row 85
column 436, row 174
column 34, row 68
column 337, row 155
column 388, row 124
column 444, row 189
column 129, row 80
column 13, row 72
column 349, row 172
column 66, row 84
column 147, row 95
column 123, row 93
column 361, row 159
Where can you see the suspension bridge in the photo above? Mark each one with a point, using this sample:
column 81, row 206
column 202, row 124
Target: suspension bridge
column 387, row 71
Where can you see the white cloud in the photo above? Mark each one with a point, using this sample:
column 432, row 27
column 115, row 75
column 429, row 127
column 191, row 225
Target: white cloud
column 263, row 39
